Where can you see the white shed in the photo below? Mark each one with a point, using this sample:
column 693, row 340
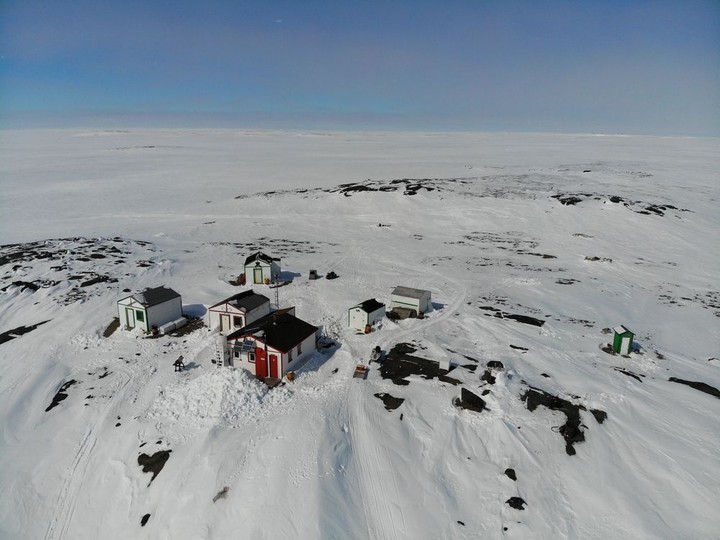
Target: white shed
column 261, row 268
column 414, row 299
column 237, row 311
column 367, row 312
column 150, row 308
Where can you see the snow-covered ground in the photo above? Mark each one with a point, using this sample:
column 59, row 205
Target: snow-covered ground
column 581, row 232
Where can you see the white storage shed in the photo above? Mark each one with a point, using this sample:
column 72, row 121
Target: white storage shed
column 367, row 312
column 409, row 298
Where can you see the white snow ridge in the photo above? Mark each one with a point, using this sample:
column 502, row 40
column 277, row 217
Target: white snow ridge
column 222, row 397
column 503, row 412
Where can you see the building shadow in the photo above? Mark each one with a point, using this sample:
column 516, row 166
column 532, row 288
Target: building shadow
column 194, row 310
column 327, row 347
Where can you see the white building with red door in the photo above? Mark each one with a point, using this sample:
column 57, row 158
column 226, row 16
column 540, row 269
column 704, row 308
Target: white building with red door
column 237, row 311
column 272, row 345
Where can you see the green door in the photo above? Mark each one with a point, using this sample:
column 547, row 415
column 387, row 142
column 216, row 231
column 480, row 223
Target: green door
column 140, row 317
column 257, row 275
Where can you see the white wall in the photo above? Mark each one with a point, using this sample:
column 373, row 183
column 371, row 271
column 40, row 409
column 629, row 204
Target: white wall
column 376, row 315
column 214, row 315
column 270, row 271
column 250, row 273
column 250, row 316
column 425, row 302
column 164, row 313
column 357, row 318
column 136, row 306
column 308, row 349
column 421, row 304
column 404, row 302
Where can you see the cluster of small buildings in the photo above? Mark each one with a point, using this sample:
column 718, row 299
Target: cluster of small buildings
column 271, row 342
column 266, row 342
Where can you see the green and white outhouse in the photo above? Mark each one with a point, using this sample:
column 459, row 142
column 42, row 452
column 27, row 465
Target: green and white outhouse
column 623, row 340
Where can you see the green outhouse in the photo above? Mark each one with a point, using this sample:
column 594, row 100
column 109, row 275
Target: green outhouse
column 623, row 340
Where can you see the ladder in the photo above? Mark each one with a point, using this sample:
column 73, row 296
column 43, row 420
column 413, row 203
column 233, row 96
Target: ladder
column 219, row 355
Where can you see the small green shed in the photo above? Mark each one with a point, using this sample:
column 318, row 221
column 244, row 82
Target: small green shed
column 623, row 340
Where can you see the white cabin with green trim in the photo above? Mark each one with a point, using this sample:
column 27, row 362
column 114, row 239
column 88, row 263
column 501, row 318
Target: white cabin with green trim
column 417, row 300
column 261, row 269
column 150, row 308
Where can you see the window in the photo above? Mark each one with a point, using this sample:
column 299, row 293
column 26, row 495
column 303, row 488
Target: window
column 237, row 321
column 251, row 357
column 290, row 357
column 236, row 354
column 299, row 349
column 140, row 316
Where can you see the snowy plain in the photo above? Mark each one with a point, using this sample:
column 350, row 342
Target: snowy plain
column 582, row 232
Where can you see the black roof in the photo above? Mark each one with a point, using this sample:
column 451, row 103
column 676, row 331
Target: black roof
column 247, row 300
column 259, row 256
column 153, row 297
column 368, row 306
column 282, row 330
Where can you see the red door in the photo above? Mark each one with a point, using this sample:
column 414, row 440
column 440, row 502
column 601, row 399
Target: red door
column 260, row 363
column 274, row 366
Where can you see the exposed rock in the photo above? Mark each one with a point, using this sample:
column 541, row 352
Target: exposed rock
column 19, row 331
column 628, row 373
column 510, row 473
column 516, row 502
column 391, row 403
column 154, row 463
column 570, row 431
column 470, row 401
column 61, row 395
column 488, row 377
column 400, row 363
column 703, row 387
column 222, row 494
column 526, row 319
column 567, row 200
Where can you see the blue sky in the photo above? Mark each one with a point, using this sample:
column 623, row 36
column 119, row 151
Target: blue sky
column 584, row 66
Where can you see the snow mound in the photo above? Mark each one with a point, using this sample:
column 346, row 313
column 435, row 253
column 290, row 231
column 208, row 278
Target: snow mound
column 225, row 397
